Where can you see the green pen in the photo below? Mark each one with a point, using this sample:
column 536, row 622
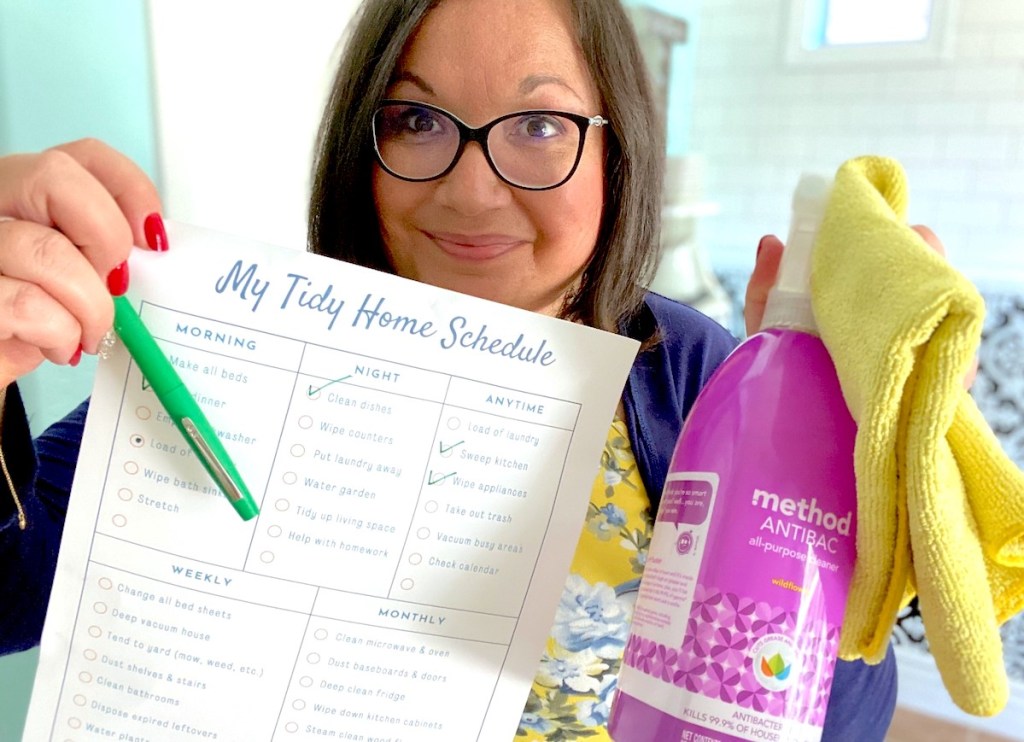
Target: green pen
column 181, row 406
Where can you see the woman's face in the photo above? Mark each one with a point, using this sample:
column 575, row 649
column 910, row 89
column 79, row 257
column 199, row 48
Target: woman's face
column 469, row 231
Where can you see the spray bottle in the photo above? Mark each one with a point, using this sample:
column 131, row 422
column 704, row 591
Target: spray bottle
column 736, row 627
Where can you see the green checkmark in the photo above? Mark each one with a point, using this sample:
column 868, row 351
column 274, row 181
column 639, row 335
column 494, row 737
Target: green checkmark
column 445, row 449
column 311, row 390
column 438, row 480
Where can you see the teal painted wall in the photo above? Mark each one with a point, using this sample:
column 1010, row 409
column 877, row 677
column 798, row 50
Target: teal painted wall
column 68, row 69
column 76, row 68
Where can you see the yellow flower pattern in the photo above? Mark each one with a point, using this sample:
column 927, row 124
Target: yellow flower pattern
column 575, row 684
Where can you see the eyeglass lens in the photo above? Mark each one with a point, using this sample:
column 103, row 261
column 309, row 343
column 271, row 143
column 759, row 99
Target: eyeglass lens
column 535, row 150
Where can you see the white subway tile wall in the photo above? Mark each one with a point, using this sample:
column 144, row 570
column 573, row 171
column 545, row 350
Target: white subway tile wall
column 956, row 125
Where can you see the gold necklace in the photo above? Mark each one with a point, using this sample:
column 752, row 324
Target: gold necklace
column 22, row 520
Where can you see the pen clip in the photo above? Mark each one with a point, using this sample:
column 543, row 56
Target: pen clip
column 218, row 471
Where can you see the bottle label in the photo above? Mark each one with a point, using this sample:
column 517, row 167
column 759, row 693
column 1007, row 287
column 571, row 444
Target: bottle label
column 722, row 664
column 677, row 549
column 735, row 637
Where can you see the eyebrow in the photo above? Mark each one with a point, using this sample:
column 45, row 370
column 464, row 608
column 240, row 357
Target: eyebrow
column 406, row 76
column 531, row 83
column 527, row 86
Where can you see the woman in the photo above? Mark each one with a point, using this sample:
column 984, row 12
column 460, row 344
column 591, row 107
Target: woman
column 505, row 150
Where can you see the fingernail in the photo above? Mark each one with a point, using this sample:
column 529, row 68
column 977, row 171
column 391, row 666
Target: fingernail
column 760, row 245
column 117, row 281
column 156, row 235
column 73, row 361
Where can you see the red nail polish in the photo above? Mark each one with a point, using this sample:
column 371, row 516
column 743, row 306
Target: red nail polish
column 156, row 235
column 760, row 245
column 73, row 361
column 117, row 281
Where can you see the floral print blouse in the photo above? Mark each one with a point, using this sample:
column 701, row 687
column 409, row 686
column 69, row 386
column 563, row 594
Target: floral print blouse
column 572, row 692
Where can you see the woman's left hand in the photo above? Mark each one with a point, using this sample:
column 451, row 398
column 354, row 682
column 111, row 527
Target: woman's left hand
column 766, row 267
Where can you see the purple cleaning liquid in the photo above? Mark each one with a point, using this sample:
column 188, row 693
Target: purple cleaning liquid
column 736, row 626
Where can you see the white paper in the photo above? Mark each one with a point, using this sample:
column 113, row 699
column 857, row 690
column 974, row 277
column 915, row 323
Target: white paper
column 420, row 496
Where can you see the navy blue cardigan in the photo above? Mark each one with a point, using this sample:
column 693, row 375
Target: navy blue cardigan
column 661, row 388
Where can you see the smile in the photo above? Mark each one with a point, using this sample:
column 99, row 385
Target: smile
column 474, row 246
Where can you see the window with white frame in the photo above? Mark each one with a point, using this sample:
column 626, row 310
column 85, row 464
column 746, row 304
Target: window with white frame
column 868, row 30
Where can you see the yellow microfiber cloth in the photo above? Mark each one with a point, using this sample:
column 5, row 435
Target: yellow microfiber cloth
column 940, row 506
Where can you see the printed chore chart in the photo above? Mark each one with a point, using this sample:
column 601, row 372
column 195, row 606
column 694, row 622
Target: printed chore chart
column 422, row 461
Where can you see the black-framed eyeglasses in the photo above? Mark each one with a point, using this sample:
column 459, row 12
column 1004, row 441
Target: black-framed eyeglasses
column 534, row 150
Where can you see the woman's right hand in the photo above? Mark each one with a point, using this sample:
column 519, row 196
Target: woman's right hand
column 68, row 219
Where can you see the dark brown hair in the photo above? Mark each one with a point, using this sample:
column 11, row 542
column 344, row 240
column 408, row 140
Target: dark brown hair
column 342, row 215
